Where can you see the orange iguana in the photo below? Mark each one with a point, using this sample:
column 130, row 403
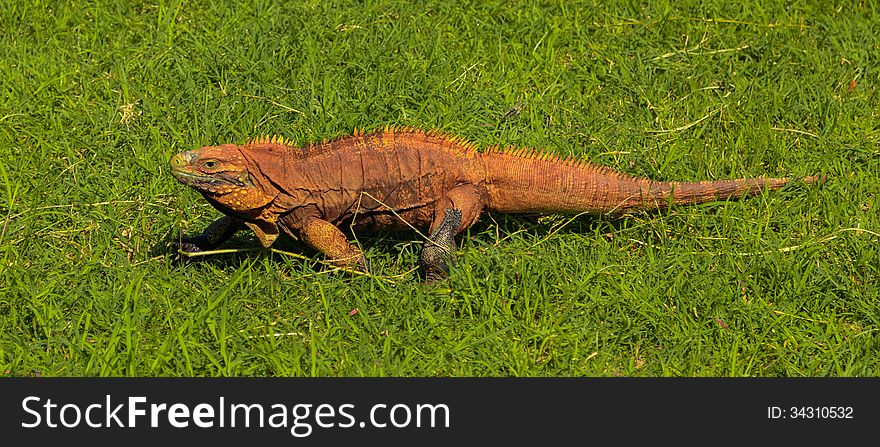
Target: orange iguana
column 407, row 177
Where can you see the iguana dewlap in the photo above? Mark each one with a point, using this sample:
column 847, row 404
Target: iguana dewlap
column 407, row 177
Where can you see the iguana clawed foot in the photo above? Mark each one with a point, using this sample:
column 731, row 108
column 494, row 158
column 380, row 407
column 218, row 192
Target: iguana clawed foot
column 356, row 262
column 217, row 233
column 185, row 246
column 438, row 253
column 363, row 265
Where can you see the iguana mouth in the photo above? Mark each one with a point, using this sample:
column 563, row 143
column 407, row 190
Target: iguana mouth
column 188, row 178
column 202, row 181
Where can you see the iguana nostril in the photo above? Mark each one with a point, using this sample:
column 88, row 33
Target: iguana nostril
column 182, row 159
column 177, row 161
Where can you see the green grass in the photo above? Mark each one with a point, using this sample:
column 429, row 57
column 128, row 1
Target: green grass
column 96, row 96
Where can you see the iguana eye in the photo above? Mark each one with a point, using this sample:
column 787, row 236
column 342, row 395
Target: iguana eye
column 210, row 164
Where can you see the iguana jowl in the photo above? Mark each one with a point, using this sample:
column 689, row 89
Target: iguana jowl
column 401, row 177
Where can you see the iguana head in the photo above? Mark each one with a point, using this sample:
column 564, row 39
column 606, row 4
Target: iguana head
column 220, row 173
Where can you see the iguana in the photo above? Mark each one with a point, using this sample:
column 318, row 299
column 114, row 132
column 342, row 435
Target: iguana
column 400, row 177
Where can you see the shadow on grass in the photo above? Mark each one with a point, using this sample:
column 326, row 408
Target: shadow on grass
column 389, row 241
column 244, row 241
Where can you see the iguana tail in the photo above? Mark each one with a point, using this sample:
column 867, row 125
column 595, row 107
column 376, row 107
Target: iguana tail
column 526, row 182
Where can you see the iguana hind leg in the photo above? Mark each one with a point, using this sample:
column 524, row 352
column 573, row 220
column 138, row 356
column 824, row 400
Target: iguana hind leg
column 438, row 254
column 459, row 209
column 215, row 234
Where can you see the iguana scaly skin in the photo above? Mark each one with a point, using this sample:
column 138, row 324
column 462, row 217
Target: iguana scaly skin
column 407, row 177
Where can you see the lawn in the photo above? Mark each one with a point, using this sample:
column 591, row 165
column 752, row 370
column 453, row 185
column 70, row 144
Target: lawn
column 97, row 95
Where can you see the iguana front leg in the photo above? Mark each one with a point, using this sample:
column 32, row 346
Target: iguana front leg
column 329, row 240
column 217, row 233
